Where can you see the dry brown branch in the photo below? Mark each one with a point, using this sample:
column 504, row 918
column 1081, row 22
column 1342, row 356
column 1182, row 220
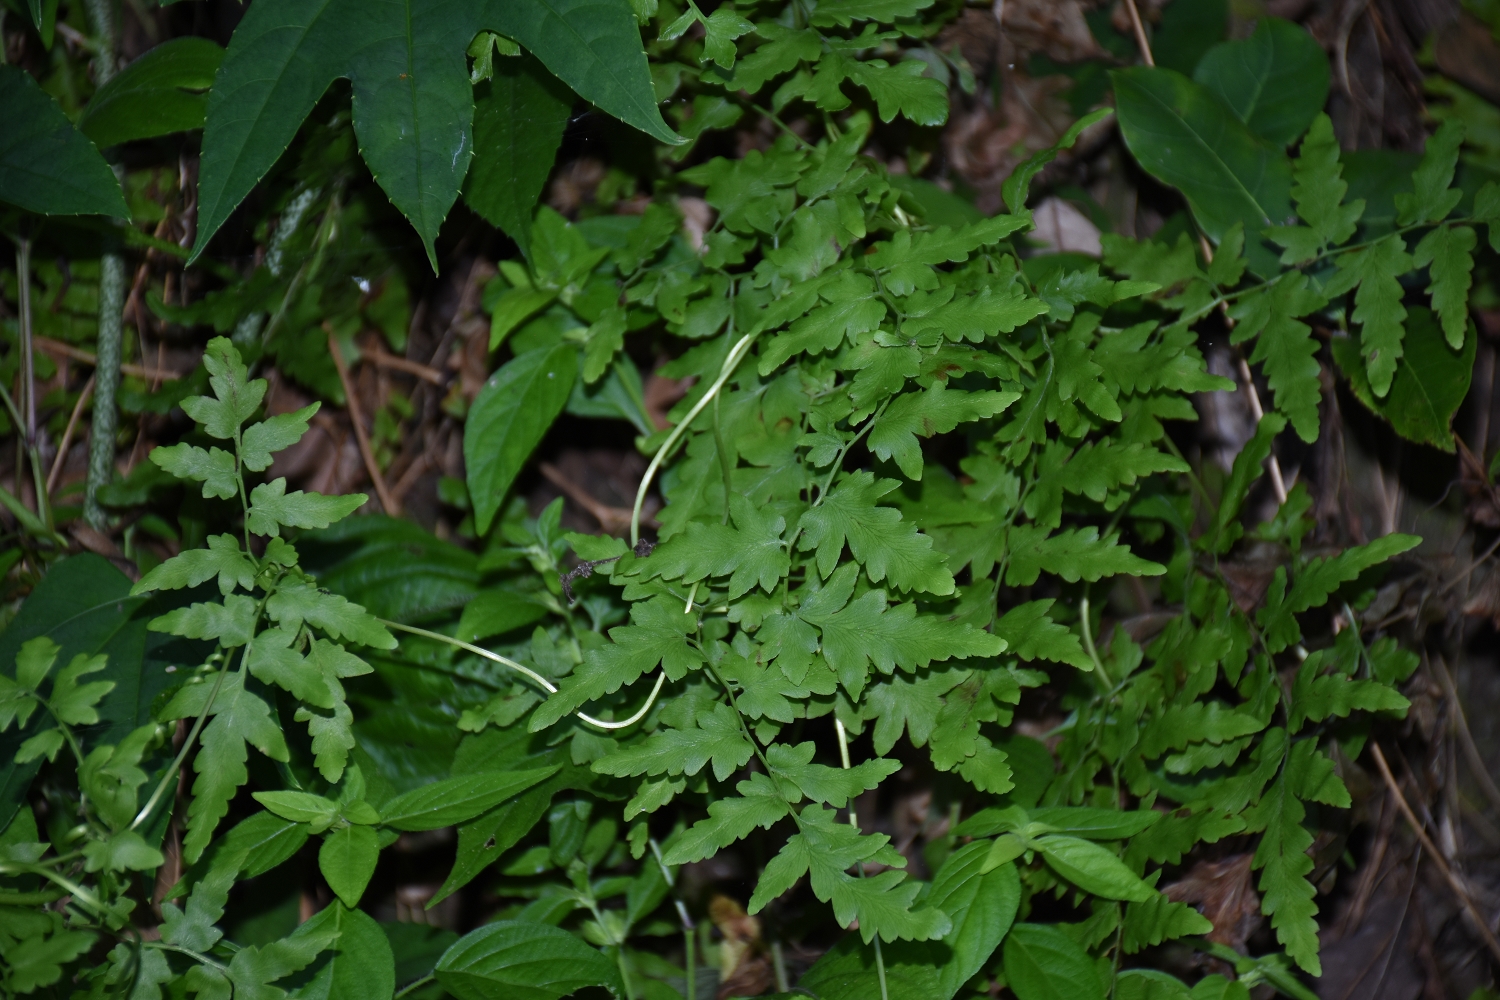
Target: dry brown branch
column 409, row 478
column 58, row 349
column 1465, row 737
column 67, row 438
column 384, row 359
column 614, row 520
column 387, row 502
column 1140, row 32
column 1454, row 882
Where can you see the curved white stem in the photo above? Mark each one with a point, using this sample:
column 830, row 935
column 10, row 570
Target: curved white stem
column 551, row 688
column 736, row 354
column 661, row 679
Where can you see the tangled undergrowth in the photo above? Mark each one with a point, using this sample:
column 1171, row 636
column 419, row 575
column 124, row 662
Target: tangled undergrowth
column 800, row 555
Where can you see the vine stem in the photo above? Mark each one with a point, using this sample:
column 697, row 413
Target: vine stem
column 736, row 355
column 551, row 688
column 409, row 987
column 187, row 745
column 101, row 469
column 838, row 726
column 1088, row 640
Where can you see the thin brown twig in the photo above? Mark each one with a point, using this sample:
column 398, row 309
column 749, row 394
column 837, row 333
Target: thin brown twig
column 614, row 520
column 409, row 478
column 384, row 359
column 57, row 348
column 1140, row 32
column 387, row 502
column 67, row 438
column 1469, row 569
column 1465, row 737
column 1453, row 880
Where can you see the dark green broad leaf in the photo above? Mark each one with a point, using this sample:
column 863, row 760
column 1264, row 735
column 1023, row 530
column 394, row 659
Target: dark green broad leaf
column 1275, row 81
column 1430, row 382
column 458, row 800
column 347, row 859
column 1043, row 963
column 1181, row 135
column 509, row 416
column 417, row 948
column 495, row 612
column 360, row 963
column 1186, row 30
column 594, row 46
column 1376, row 176
column 482, row 840
column 46, row 166
column 44, row 16
column 522, row 960
column 390, row 567
column 84, row 605
column 847, row 971
column 164, row 91
column 412, row 100
column 519, row 115
column 413, row 103
column 981, row 906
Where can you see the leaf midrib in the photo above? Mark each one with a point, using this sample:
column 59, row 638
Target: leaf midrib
column 1207, row 148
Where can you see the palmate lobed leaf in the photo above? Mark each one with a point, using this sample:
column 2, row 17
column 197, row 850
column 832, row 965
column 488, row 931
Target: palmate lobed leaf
column 717, row 737
column 46, row 166
column 413, row 104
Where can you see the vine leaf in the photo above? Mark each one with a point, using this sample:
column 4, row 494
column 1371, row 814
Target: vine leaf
column 657, row 634
column 1449, row 250
column 46, row 166
column 413, row 103
column 1318, row 189
column 1429, row 386
column 716, row 737
column 936, row 411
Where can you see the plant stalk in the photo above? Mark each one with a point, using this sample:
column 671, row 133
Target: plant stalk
column 111, row 311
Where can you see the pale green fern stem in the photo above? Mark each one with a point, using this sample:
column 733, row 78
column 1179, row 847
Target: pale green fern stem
column 838, row 726
column 661, row 677
column 736, row 355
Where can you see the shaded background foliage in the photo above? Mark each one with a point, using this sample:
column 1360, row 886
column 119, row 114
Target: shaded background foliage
column 397, row 340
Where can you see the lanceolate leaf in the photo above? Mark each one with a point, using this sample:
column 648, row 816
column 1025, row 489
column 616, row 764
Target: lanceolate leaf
column 164, row 91
column 518, row 124
column 457, row 800
column 1043, row 963
column 509, row 417
column 516, row 958
column 981, row 906
column 46, row 166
